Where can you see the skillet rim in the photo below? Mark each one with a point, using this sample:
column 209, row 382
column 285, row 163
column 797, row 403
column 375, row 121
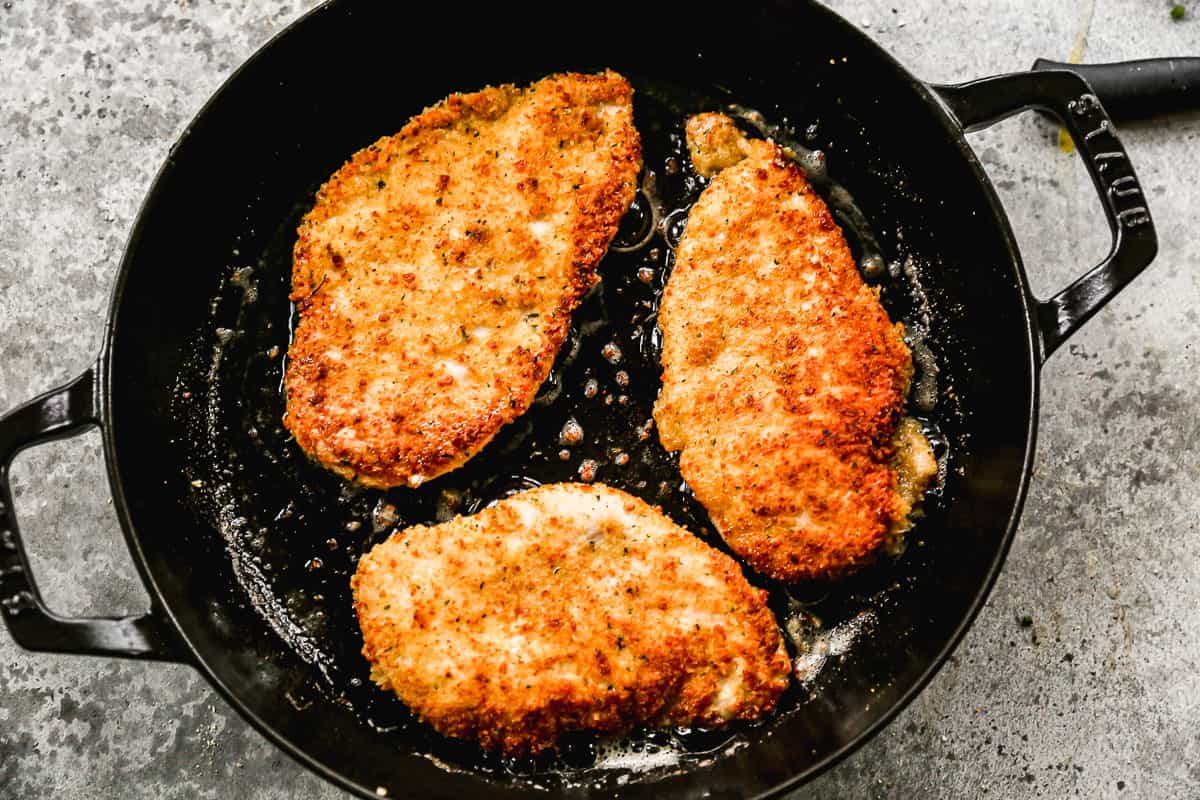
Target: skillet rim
column 191, row 655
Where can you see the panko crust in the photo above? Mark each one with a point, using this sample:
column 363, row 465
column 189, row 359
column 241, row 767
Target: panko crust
column 436, row 274
column 784, row 381
column 566, row 607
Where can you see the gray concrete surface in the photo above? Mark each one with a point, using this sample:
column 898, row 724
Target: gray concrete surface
column 1100, row 697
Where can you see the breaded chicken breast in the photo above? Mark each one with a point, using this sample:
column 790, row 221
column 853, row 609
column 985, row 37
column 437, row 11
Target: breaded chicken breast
column 436, row 274
column 784, row 381
column 562, row 608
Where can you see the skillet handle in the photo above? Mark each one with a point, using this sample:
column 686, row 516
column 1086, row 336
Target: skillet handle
column 1068, row 97
column 1140, row 89
column 62, row 412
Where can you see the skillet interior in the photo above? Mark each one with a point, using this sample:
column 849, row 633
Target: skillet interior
column 230, row 198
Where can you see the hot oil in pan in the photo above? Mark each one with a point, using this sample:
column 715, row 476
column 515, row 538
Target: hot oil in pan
column 294, row 532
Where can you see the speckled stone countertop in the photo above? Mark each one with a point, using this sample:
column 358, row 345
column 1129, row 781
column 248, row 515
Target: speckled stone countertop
column 1098, row 697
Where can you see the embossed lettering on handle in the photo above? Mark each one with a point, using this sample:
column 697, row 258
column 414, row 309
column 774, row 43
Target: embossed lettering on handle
column 1067, row 96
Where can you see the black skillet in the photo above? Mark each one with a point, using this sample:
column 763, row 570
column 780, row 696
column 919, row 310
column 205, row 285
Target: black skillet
column 245, row 548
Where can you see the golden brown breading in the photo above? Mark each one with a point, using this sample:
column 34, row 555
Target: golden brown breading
column 784, row 381
column 915, row 467
column 715, row 143
column 565, row 607
column 436, row 274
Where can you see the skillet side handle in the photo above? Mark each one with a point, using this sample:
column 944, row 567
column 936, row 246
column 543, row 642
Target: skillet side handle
column 1135, row 90
column 1068, row 97
column 66, row 411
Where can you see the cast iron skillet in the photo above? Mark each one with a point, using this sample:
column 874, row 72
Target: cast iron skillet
column 245, row 548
